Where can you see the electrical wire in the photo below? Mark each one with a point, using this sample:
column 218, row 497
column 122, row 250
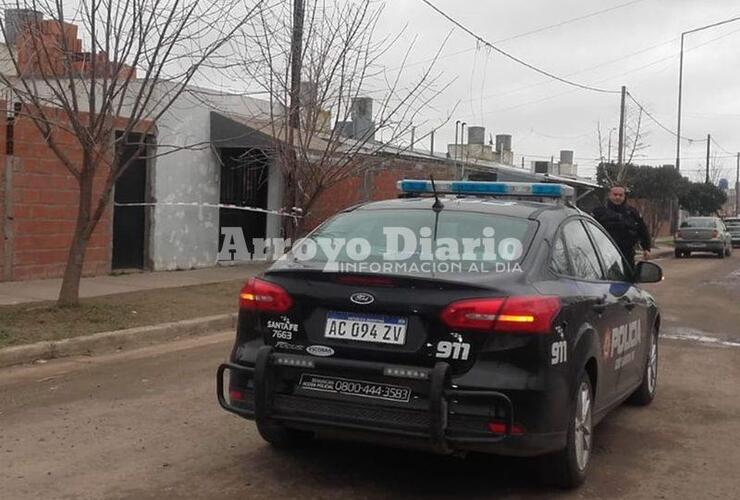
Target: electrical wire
column 720, row 146
column 504, row 53
column 657, row 122
column 568, row 21
column 522, row 35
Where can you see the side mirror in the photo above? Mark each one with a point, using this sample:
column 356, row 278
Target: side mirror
column 648, row 272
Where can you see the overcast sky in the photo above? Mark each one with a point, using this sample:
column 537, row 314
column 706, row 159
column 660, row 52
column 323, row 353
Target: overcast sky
column 636, row 44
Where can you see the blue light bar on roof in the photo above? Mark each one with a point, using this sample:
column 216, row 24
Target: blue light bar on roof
column 533, row 189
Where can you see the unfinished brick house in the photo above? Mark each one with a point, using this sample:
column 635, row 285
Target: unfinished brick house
column 38, row 195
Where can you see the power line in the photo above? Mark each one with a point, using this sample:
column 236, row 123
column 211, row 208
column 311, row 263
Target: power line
column 602, row 64
column 568, row 21
column 527, row 33
column 657, row 122
column 609, row 78
column 483, row 41
column 720, row 147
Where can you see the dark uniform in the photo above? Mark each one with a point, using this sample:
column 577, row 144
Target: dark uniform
column 626, row 226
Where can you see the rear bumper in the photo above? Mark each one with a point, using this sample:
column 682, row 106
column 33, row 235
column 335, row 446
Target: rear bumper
column 438, row 422
column 700, row 245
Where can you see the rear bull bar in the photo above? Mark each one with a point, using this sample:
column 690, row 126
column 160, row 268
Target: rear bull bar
column 440, row 392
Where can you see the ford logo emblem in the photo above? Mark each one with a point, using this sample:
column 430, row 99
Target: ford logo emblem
column 362, row 298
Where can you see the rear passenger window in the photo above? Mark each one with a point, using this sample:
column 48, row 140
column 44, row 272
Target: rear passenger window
column 614, row 265
column 560, row 263
column 582, row 257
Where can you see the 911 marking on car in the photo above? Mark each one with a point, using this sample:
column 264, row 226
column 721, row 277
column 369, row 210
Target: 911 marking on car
column 452, row 350
column 559, row 352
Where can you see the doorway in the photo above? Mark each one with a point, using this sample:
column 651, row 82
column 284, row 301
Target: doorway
column 129, row 222
column 244, row 178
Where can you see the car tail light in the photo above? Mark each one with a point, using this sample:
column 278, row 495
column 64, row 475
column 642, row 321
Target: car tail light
column 259, row 295
column 524, row 314
column 715, row 234
column 499, row 427
column 472, row 314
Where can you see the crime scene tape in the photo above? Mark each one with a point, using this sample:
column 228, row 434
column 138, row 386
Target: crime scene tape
column 211, row 205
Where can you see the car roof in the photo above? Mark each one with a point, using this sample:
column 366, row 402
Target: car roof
column 500, row 206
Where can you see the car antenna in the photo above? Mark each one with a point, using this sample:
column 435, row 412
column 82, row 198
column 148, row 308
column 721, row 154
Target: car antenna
column 438, row 206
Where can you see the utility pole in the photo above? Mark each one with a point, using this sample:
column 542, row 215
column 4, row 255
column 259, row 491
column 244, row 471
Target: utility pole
column 457, row 129
column 737, row 186
column 431, row 143
column 294, row 111
column 620, row 152
column 709, row 143
column 413, row 137
column 296, row 54
column 680, row 88
column 680, row 81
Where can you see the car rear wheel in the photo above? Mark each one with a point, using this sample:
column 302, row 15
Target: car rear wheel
column 567, row 468
column 645, row 393
column 678, row 253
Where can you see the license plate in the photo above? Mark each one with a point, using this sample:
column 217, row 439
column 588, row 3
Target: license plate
column 697, row 245
column 351, row 387
column 379, row 329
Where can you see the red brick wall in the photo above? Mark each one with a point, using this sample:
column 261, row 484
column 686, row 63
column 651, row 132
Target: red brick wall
column 3, row 192
column 376, row 183
column 45, row 199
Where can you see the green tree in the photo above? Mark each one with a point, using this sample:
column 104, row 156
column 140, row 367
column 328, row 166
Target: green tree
column 700, row 198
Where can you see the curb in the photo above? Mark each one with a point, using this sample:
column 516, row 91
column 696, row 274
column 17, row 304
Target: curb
column 102, row 342
column 661, row 252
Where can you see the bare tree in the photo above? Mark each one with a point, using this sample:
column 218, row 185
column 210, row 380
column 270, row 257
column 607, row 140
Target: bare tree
column 316, row 144
column 716, row 170
column 635, row 138
column 635, row 141
column 142, row 56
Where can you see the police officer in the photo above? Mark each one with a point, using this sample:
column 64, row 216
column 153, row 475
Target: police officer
column 624, row 224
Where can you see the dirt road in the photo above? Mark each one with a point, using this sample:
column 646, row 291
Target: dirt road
column 145, row 424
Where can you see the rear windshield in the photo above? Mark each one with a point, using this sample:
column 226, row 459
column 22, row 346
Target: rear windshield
column 699, row 223
column 454, row 240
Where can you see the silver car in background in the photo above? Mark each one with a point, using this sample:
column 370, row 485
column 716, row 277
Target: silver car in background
column 733, row 227
column 703, row 234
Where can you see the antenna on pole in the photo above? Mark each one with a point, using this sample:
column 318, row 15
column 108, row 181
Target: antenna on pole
column 438, row 206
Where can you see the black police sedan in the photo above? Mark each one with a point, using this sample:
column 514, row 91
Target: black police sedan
column 463, row 316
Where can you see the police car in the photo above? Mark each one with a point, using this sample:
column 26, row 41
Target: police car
column 462, row 316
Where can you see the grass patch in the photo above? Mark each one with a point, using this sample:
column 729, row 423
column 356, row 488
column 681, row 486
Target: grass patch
column 28, row 323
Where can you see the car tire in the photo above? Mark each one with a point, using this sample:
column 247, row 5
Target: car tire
column 645, row 393
column 283, row 437
column 568, row 467
column 678, row 254
column 721, row 254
